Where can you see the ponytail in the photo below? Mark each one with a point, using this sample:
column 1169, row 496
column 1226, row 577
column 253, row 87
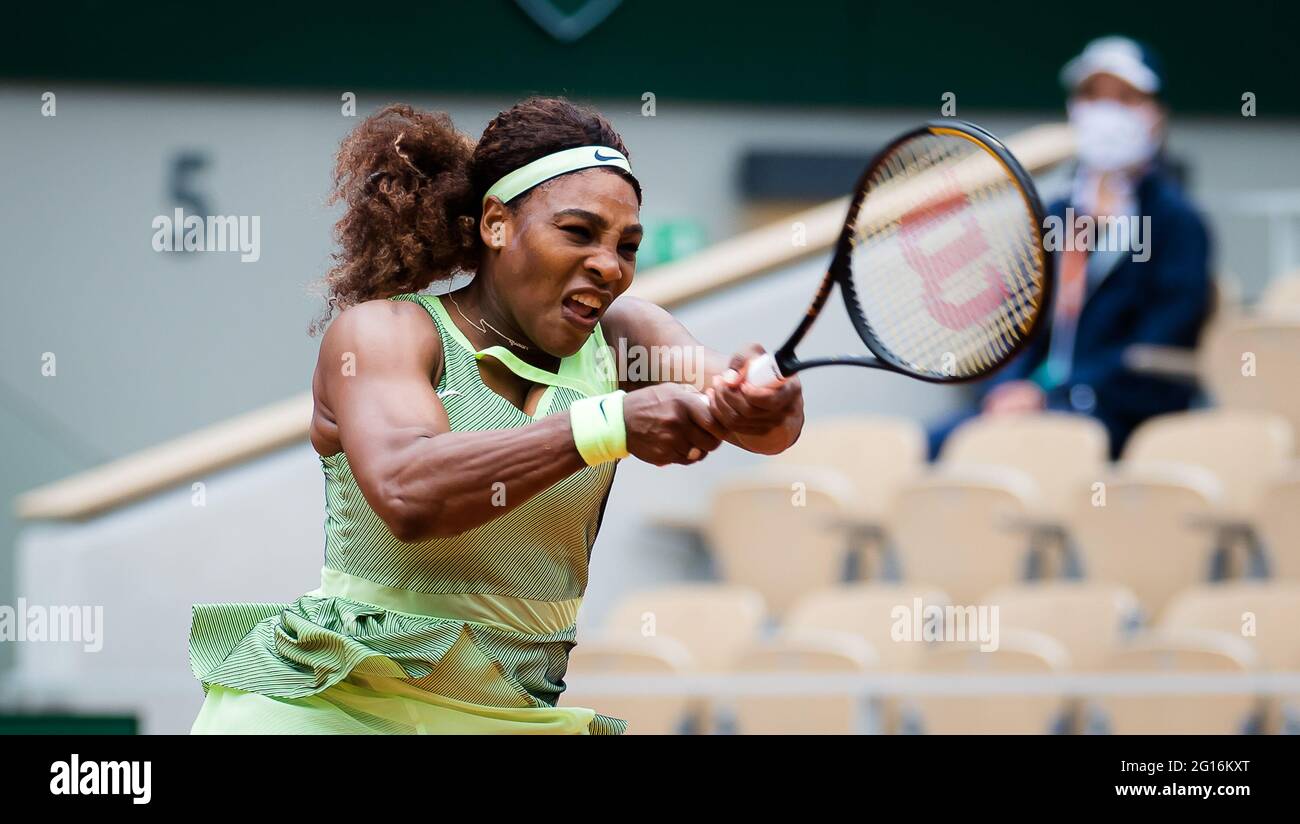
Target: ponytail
column 403, row 175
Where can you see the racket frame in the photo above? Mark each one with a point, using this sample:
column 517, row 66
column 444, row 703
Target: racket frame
column 840, row 273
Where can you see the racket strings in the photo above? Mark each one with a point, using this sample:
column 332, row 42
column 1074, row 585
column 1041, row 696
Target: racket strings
column 996, row 336
column 994, row 328
column 884, row 182
column 904, row 166
column 947, row 262
column 896, row 305
column 1021, row 250
column 993, row 334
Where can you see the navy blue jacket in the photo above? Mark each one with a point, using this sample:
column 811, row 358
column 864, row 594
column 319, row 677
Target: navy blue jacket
column 1163, row 300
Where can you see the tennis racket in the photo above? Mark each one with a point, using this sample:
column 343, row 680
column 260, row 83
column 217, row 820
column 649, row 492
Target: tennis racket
column 941, row 262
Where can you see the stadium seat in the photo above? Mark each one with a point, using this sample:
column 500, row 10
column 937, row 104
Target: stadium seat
column 1264, row 614
column 1090, row 619
column 1229, row 294
column 1145, row 527
column 1055, row 449
column 1252, row 363
column 1020, row 652
column 1244, row 449
column 713, row 621
column 960, row 529
column 867, row 610
column 1170, row 652
column 803, row 653
column 876, row 454
column 1277, row 519
column 631, row 655
column 780, row 532
column 1282, row 296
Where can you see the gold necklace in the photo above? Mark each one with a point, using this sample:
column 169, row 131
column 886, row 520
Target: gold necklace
column 484, row 322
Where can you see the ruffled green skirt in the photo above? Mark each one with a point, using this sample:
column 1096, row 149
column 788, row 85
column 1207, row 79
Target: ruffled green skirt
column 357, row 657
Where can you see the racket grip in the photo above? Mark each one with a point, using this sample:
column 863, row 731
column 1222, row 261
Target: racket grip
column 763, row 371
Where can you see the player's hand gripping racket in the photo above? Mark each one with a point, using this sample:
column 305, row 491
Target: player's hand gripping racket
column 941, row 261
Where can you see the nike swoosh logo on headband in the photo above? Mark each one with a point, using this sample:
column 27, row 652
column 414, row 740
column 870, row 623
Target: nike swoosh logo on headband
column 599, row 156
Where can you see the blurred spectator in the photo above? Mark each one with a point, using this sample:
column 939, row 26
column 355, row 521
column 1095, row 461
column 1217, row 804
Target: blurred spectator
column 1142, row 277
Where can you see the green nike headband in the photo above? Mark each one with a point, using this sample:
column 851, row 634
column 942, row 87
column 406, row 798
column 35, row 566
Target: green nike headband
column 553, row 165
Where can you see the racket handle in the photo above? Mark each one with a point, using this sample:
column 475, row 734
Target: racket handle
column 763, row 371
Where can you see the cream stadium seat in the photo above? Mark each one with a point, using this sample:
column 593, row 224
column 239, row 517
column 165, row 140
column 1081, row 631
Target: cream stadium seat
column 1019, row 652
column 1264, row 614
column 1244, row 449
column 1055, row 449
column 1281, row 297
column 869, row 611
column 876, row 455
column 1145, row 527
column 630, row 655
column 962, row 529
column 1277, row 520
column 1229, row 294
column 1170, row 652
column 803, row 654
column 1091, row 619
column 1252, row 363
column 780, row 532
column 713, row 621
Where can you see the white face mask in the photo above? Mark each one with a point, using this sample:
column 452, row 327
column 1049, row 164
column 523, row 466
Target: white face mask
column 1110, row 136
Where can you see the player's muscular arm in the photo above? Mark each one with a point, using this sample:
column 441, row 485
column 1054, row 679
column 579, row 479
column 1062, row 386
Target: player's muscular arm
column 647, row 330
column 758, row 419
column 422, row 479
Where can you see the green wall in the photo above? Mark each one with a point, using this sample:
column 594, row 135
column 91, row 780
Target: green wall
column 815, row 52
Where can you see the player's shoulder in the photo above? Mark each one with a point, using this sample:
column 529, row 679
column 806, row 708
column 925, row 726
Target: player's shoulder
column 384, row 325
column 383, row 316
column 627, row 313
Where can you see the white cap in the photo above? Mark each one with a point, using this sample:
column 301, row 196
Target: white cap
column 1120, row 56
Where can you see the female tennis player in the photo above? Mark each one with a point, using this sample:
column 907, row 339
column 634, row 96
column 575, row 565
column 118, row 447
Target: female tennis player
column 469, row 441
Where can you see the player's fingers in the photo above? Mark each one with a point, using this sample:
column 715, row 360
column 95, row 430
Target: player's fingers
column 701, row 413
column 702, row 442
column 722, row 411
column 736, row 399
column 771, row 409
column 777, row 398
column 739, row 361
column 738, row 416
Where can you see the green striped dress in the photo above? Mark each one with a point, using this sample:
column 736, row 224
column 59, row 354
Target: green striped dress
column 463, row 634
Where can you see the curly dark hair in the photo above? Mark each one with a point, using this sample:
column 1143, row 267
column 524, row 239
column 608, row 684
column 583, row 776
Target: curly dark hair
column 413, row 187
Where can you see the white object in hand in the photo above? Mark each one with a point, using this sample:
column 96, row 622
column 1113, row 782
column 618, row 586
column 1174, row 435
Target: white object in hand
column 763, row 371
